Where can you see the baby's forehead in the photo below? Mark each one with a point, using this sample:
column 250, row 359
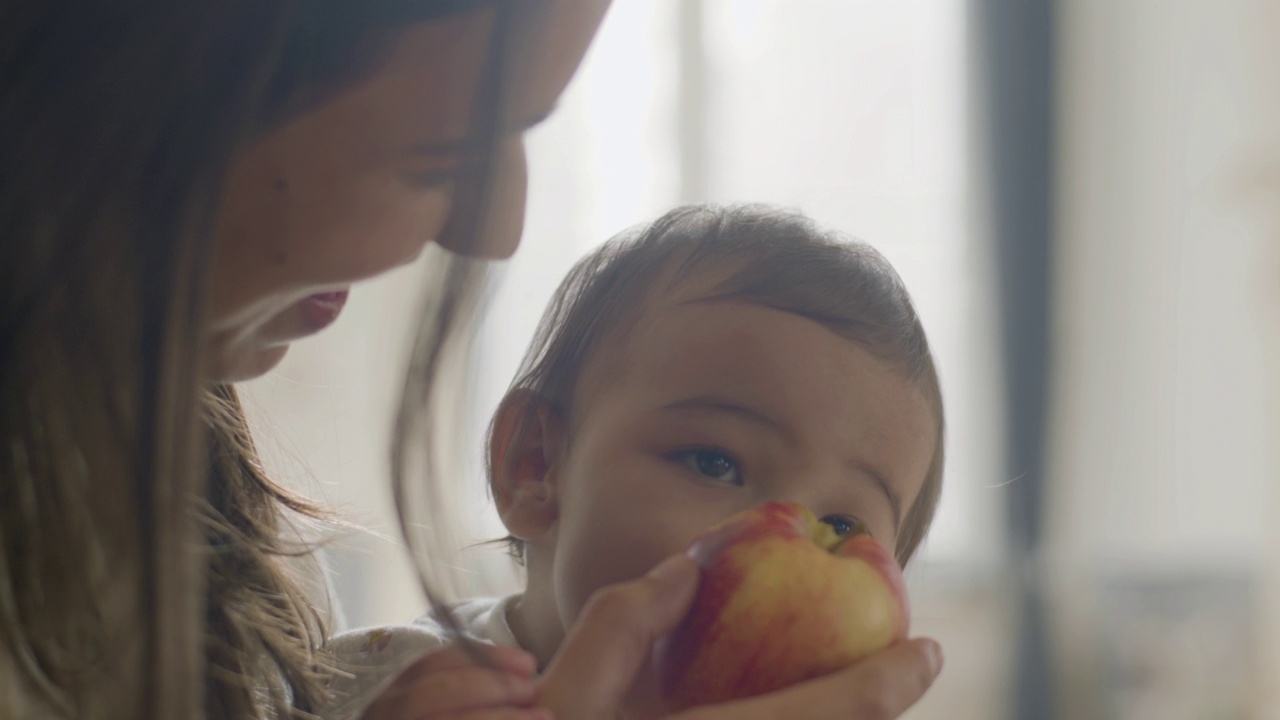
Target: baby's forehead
column 677, row 291
column 696, row 321
column 815, row 386
column 674, row 287
column 693, row 336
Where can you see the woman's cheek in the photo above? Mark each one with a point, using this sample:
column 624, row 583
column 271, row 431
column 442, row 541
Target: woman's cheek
column 387, row 234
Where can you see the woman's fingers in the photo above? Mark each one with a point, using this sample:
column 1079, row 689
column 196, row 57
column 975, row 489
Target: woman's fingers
column 449, row 683
column 614, row 634
column 467, row 688
column 612, row 638
column 509, row 659
column 500, row 714
column 882, row 687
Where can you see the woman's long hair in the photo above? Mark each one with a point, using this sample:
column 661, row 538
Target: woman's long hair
column 142, row 570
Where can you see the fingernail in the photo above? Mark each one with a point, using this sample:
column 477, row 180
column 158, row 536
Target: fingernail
column 934, row 652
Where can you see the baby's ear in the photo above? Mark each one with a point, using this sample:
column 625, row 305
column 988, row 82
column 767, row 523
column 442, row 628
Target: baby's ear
column 525, row 444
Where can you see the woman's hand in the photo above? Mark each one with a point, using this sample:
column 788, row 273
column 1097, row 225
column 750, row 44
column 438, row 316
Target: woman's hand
column 613, row 637
column 449, row 683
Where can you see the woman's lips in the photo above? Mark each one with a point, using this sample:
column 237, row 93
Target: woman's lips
column 321, row 309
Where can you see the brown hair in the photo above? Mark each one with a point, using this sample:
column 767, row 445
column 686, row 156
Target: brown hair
column 767, row 256
column 142, row 569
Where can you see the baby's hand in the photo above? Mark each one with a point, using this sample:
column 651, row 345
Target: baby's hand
column 449, row 683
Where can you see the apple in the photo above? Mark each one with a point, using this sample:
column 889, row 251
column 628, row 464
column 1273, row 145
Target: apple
column 782, row 599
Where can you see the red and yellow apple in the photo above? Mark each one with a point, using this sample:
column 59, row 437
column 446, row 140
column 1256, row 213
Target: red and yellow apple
column 782, row 599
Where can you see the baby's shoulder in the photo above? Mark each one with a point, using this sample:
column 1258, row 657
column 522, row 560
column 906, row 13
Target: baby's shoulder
column 366, row 659
column 383, row 644
column 481, row 618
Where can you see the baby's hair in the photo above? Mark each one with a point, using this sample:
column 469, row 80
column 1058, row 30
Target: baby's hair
column 759, row 254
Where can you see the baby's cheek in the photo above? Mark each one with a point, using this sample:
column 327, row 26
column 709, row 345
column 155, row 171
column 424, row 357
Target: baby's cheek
column 615, row 552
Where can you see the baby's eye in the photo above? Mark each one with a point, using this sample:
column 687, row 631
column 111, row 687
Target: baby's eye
column 844, row 525
column 713, row 464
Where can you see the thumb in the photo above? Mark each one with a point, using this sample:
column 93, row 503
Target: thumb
column 882, row 687
column 612, row 638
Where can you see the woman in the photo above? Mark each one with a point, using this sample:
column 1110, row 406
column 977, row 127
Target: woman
column 187, row 188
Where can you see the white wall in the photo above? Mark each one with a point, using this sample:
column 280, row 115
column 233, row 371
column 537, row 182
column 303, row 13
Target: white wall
column 1165, row 427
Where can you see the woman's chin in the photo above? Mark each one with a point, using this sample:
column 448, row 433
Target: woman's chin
column 246, row 364
column 241, row 353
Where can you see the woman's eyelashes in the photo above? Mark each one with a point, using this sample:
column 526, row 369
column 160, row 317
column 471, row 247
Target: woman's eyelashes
column 711, row 463
column 432, row 179
column 442, row 173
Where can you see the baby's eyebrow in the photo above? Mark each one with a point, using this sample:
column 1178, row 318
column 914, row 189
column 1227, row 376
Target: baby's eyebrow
column 877, row 477
column 715, row 403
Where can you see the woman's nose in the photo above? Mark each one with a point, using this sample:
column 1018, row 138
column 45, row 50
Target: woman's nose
column 487, row 217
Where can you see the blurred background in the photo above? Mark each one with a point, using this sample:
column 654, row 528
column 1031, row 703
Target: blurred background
column 1083, row 197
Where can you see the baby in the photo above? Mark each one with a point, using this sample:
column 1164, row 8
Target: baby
column 714, row 360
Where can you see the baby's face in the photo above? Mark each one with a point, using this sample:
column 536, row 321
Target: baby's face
column 709, row 408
